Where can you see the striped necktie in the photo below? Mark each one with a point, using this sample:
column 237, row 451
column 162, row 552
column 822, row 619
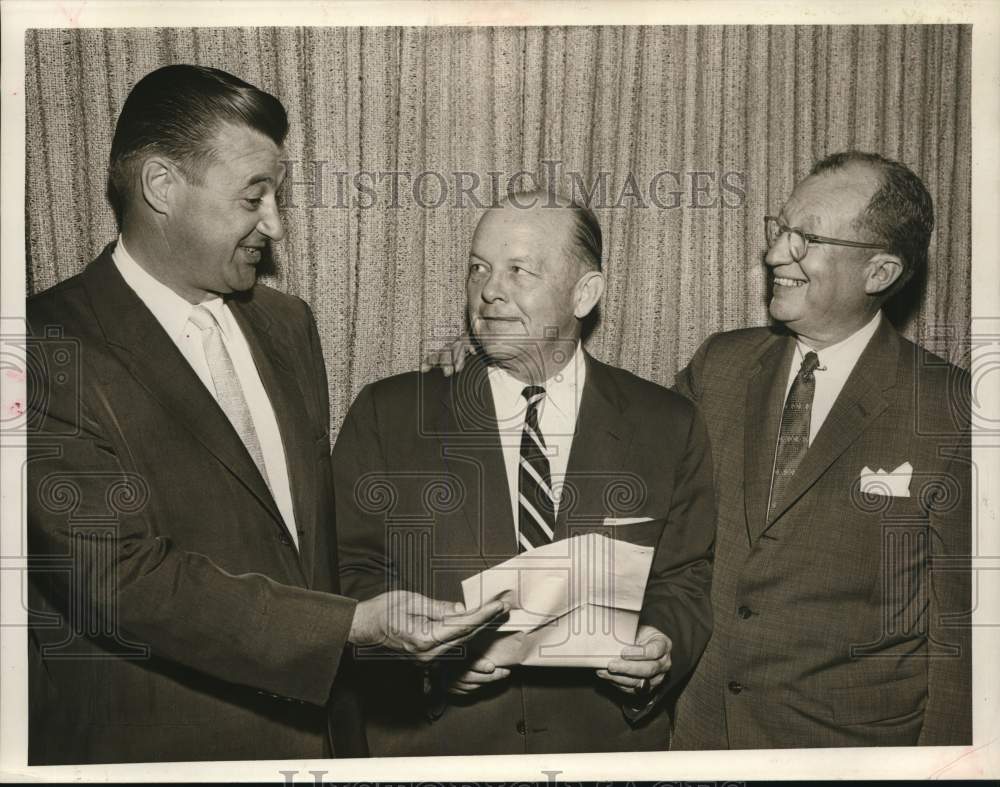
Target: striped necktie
column 793, row 434
column 535, row 505
column 228, row 391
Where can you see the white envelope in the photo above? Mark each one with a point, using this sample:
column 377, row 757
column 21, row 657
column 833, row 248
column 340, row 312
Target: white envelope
column 887, row 484
column 574, row 602
column 588, row 636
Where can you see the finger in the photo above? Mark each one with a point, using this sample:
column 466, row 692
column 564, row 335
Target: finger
column 624, row 682
column 636, row 669
column 448, row 631
column 457, row 690
column 458, row 350
column 439, row 610
column 655, row 648
column 479, row 678
column 459, row 623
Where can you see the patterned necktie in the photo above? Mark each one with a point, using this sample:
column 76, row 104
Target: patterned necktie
column 793, row 436
column 535, row 508
column 228, row 390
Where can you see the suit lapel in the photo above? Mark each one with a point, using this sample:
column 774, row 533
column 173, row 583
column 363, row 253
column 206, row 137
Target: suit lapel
column 600, row 441
column 860, row 402
column 470, row 448
column 271, row 350
column 154, row 360
column 765, row 401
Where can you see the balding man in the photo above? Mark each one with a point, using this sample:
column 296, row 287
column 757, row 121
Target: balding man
column 842, row 588
column 532, row 415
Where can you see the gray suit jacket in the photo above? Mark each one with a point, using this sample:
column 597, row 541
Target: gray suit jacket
column 841, row 618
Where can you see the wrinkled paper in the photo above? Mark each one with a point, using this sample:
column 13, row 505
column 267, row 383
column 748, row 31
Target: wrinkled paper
column 574, row 602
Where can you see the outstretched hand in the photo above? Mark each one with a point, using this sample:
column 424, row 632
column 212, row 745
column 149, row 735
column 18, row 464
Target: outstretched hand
column 419, row 626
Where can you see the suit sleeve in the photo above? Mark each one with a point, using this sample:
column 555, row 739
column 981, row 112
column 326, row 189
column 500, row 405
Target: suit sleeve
column 678, row 593
column 245, row 629
column 688, row 381
column 948, row 713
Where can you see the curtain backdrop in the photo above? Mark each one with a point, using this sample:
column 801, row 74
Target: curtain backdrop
column 694, row 132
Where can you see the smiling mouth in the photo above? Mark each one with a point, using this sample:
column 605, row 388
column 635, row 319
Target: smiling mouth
column 253, row 252
column 781, row 281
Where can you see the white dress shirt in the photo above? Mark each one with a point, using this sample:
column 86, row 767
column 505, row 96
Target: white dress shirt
column 173, row 313
column 836, row 363
column 557, row 417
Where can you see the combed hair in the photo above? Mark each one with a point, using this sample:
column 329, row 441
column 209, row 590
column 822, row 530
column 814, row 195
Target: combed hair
column 900, row 214
column 587, row 242
column 176, row 111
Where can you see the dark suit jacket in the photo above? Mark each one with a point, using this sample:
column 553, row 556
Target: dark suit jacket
column 171, row 616
column 839, row 619
column 423, row 502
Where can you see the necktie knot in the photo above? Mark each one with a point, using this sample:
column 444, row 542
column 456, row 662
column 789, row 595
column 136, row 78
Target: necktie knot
column 533, row 393
column 810, row 363
column 203, row 318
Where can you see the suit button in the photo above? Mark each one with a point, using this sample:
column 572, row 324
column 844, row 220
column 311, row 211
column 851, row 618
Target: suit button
column 285, row 540
column 744, row 612
column 520, row 727
column 734, row 687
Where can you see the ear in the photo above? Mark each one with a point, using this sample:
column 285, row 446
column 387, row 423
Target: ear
column 159, row 178
column 589, row 289
column 881, row 272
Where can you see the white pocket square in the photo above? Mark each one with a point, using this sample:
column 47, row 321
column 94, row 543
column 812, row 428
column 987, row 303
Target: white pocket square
column 887, row 484
column 611, row 521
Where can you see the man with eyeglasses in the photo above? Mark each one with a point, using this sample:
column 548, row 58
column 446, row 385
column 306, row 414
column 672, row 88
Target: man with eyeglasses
column 841, row 589
column 841, row 586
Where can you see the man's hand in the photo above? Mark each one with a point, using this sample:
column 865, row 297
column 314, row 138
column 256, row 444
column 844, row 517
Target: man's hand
column 477, row 674
column 449, row 360
column 416, row 625
column 647, row 660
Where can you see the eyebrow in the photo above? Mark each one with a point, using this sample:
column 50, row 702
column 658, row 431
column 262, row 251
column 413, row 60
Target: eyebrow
column 253, row 181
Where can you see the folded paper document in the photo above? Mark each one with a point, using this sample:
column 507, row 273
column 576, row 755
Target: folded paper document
column 574, row 602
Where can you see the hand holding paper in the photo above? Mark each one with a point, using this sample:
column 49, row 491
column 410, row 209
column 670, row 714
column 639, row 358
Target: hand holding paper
column 648, row 659
column 418, row 626
column 573, row 603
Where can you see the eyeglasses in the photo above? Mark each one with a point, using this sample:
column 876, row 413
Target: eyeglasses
column 798, row 241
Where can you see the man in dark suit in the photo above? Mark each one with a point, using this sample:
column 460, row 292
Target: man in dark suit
column 183, row 573
column 841, row 587
column 437, row 479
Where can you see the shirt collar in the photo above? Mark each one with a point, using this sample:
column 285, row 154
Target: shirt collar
column 169, row 308
column 845, row 353
column 563, row 389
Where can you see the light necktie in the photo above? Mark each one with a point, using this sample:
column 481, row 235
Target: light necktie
column 535, row 503
column 228, row 390
column 793, row 435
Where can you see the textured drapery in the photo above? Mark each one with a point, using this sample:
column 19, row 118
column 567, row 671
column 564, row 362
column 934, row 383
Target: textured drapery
column 693, row 133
